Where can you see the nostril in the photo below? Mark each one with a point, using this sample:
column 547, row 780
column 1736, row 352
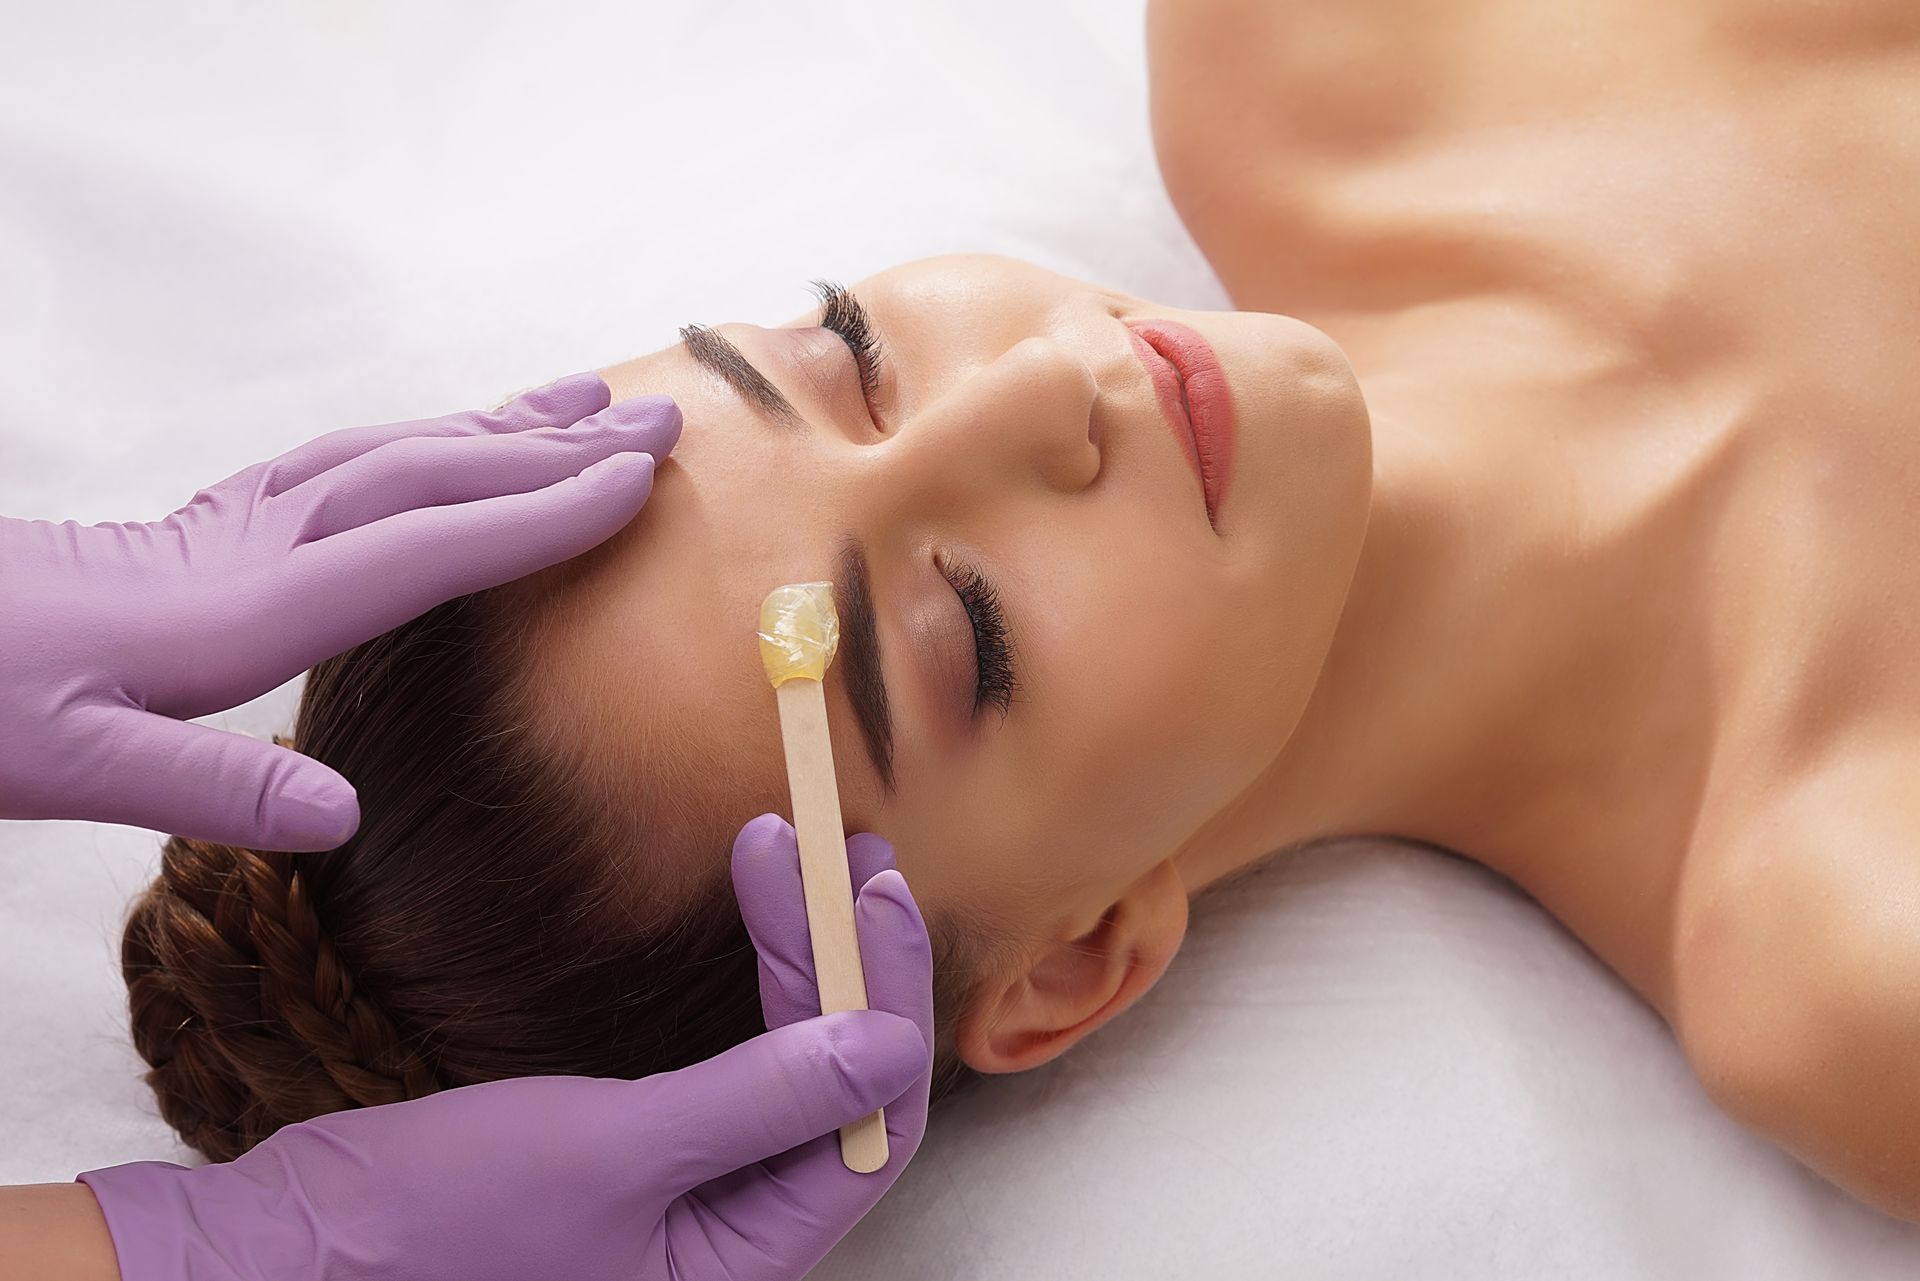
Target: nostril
column 1091, row 396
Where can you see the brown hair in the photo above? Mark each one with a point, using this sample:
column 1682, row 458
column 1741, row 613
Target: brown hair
column 482, row 922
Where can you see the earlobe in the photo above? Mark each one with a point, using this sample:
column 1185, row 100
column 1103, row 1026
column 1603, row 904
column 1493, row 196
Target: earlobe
column 1075, row 985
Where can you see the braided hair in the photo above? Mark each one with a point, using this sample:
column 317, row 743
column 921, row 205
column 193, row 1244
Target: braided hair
column 244, row 1008
column 485, row 921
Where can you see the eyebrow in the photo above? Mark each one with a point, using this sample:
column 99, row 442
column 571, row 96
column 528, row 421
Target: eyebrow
column 860, row 645
column 716, row 353
column 852, row 588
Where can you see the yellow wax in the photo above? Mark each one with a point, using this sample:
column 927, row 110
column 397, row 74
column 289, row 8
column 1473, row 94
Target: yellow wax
column 799, row 631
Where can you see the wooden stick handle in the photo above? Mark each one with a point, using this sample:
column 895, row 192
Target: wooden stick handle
column 828, row 884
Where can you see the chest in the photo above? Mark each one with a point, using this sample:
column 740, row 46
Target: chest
column 1692, row 236
column 1786, row 683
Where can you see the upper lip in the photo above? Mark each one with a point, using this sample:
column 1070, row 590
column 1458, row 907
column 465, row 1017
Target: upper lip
column 1169, row 381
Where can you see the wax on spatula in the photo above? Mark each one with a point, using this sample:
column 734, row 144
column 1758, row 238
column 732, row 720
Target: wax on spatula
column 799, row 632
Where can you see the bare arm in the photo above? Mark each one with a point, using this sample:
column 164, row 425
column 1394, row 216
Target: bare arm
column 1798, row 1005
column 55, row 1231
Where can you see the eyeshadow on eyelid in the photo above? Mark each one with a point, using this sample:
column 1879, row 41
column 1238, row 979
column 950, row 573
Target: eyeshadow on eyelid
column 813, row 350
column 943, row 635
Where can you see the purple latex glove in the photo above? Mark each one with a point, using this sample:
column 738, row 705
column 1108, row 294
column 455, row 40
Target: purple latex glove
column 727, row 1169
column 113, row 636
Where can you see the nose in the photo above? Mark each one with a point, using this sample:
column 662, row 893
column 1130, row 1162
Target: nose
column 1024, row 420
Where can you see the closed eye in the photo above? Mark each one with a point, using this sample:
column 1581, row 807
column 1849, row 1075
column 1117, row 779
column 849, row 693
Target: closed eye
column 843, row 313
column 994, row 675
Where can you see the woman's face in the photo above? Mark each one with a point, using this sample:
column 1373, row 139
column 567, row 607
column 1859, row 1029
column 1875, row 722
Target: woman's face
column 1012, row 462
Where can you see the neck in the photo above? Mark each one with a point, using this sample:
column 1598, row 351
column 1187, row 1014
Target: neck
column 1512, row 669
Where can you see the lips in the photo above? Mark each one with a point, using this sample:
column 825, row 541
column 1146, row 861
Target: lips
column 1194, row 399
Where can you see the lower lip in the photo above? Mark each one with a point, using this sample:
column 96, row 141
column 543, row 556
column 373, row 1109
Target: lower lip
column 1194, row 396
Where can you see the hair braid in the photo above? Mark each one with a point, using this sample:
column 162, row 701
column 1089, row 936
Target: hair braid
column 244, row 1010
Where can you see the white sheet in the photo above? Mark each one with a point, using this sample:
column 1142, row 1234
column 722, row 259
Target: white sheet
column 224, row 229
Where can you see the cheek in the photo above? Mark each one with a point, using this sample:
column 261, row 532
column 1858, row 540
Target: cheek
column 1133, row 746
column 1156, row 715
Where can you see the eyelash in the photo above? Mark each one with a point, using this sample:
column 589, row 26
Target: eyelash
column 842, row 313
column 992, row 649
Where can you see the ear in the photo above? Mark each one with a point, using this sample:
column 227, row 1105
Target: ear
column 1075, row 985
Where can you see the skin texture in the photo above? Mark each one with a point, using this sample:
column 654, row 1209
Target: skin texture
column 55, row 1230
column 1632, row 297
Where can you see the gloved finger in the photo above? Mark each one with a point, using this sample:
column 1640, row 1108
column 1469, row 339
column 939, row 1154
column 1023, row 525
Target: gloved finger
column 550, row 405
column 815, row 1188
column 768, row 885
column 434, row 471
column 773, row 1093
column 868, row 855
column 558, row 404
column 192, row 780
column 773, row 906
column 896, row 955
column 362, row 582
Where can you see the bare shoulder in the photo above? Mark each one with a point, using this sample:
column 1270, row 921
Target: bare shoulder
column 1255, row 106
column 1282, row 128
column 1358, row 75
column 1797, row 968
column 1296, row 92
column 1304, row 76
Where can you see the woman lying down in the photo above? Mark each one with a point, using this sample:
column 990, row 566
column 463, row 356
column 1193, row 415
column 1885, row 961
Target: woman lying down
column 1551, row 502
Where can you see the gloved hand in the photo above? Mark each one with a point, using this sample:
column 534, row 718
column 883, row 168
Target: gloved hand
column 113, row 636
column 727, row 1169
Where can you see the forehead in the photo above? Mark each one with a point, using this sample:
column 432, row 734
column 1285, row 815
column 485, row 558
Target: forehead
column 650, row 669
